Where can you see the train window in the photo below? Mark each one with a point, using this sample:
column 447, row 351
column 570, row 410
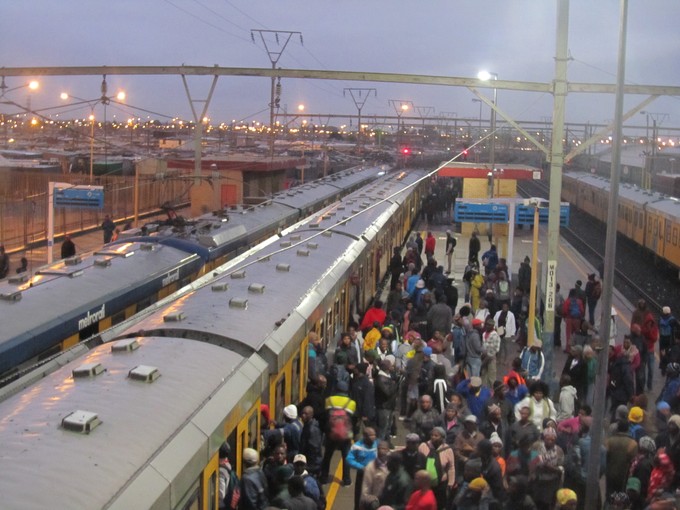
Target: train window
column 328, row 335
column 117, row 318
column 212, row 491
column 192, row 501
column 144, row 303
column 254, row 430
column 295, row 383
column 280, row 397
column 668, row 232
column 336, row 314
column 675, row 236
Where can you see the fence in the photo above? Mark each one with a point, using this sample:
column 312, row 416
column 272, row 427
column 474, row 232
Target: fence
column 23, row 204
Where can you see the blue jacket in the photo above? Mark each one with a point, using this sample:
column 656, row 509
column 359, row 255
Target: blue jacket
column 361, row 455
column 476, row 403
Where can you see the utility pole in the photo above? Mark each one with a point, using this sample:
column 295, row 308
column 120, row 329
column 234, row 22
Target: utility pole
column 556, row 164
column 596, row 432
column 425, row 112
column 360, row 96
column 274, row 57
column 400, row 106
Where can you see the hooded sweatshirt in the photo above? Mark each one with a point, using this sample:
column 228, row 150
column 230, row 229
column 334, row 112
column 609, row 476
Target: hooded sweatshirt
column 567, row 403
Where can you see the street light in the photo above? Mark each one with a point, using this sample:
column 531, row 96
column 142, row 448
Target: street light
column 92, row 103
column 4, row 89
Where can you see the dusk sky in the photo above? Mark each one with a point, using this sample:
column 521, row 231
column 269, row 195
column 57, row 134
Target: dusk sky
column 513, row 38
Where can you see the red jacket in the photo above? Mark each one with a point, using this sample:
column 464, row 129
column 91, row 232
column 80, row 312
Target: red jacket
column 372, row 315
column 430, row 243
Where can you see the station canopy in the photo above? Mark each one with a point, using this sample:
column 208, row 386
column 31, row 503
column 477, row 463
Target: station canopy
column 482, row 170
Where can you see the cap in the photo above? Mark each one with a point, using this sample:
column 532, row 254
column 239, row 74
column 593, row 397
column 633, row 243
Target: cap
column 477, row 322
column 478, row 484
column 427, row 351
column 290, row 412
column 526, row 259
column 634, row 484
column 475, row 381
column 251, row 456
column 448, row 232
column 663, row 406
column 579, row 283
column 412, row 438
column 299, row 458
column 666, row 310
column 495, row 439
column 470, row 418
column 420, row 284
column 636, row 415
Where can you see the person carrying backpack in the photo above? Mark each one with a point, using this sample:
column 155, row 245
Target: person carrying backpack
column 573, row 311
column 440, row 465
column 339, row 408
column 229, row 484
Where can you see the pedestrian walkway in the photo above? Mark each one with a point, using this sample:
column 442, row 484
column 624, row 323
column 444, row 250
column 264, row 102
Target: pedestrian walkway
column 86, row 242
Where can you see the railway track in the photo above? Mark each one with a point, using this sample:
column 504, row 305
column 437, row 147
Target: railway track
column 636, row 274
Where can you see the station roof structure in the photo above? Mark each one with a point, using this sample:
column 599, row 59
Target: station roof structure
column 481, row 171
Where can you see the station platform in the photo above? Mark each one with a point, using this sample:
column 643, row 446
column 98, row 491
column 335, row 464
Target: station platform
column 571, row 267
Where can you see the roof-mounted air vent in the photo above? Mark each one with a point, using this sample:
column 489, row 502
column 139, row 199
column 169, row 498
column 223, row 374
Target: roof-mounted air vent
column 174, row 317
column 303, row 253
column 19, row 278
column 220, row 287
column 73, row 261
column 87, row 370
column 10, row 296
column 256, row 288
column 312, row 246
column 284, row 268
column 238, row 275
column 285, row 244
column 144, row 373
column 82, row 422
column 127, row 345
column 103, row 262
column 240, row 303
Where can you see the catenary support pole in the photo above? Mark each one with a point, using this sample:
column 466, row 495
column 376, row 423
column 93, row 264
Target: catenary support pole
column 592, row 483
column 556, row 164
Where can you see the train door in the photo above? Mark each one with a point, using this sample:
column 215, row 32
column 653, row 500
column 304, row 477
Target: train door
column 247, row 434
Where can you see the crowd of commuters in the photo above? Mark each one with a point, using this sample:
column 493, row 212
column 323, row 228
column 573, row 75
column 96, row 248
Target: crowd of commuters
column 483, row 430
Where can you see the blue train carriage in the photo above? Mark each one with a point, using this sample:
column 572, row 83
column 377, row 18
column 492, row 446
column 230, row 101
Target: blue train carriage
column 221, row 235
column 190, row 251
column 73, row 299
column 127, row 427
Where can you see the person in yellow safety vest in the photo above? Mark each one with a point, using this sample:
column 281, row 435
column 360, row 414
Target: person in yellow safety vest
column 339, row 408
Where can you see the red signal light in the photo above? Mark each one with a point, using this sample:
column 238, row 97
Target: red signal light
column 406, row 151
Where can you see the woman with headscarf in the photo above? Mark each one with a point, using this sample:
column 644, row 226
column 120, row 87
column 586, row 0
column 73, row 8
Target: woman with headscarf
column 577, row 370
column 547, row 469
column 642, row 465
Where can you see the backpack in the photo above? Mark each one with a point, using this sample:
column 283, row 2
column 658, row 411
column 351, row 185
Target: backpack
column 574, row 309
column 339, row 425
column 233, row 494
column 433, row 466
column 597, row 290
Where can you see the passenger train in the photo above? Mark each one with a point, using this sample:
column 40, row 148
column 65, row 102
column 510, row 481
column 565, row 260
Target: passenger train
column 137, row 421
column 73, row 299
column 650, row 219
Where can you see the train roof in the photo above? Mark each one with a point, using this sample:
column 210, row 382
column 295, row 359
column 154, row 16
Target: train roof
column 58, row 299
column 246, row 306
column 627, row 192
column 212, row 235
column 148, row 431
